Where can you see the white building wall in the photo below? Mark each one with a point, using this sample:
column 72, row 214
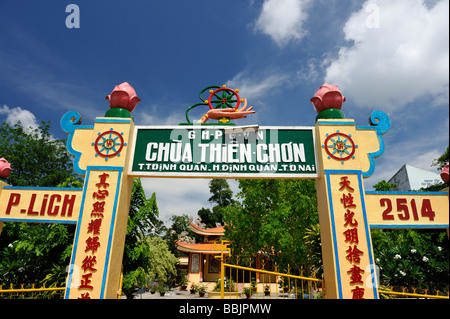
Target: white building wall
column 411, row 178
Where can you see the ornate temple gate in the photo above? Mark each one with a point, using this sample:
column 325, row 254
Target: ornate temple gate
column 335, row 152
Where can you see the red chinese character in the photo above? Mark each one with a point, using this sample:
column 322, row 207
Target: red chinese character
column 85, row 296
column 347, row 200
column 351, row 235
column 88, row 263
column 348, row 217
column 92, row 244
column 98, row 209
column 94, row 226
column 101, row 194
column 345, row 183
column 358, row 293
column 103, row 182
column 355, row 275
column 85, row 283
column 353, row 254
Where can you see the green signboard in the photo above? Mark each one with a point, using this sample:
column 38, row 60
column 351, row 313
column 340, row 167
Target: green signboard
column 229, row 152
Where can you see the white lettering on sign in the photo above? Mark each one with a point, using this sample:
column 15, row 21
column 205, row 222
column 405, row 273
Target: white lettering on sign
column 234, row 151
column 226, row 153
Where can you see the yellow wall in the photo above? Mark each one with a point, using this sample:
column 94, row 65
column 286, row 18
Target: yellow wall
column 207, row 275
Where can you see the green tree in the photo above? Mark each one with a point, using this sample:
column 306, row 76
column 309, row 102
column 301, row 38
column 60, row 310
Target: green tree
column 412, row 258
column 439, row 163
column 37, row 159
column 441, row 160
column 273, row 219
column 159, row 228
column 384, row 186
column 32, row 252
column 142, row 216
column 222, row 196
column 160, row 264
column 35, row 252
column 162, row 261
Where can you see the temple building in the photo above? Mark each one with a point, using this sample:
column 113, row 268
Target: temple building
column 201, row 264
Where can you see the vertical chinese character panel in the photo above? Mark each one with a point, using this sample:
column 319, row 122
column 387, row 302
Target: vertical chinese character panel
column 327, row 238
column 117, row 239
column 102, row 154
column 352, row 237
column 345, row 155
column 92, row 238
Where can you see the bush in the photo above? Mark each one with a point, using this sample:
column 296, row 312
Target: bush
column 411, row 258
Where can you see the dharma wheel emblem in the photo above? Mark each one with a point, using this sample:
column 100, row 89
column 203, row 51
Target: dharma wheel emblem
column 339, row 146
column 109, row 144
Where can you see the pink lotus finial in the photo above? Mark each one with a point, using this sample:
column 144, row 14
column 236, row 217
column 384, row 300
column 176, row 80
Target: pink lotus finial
column 327, row 97
column 123, row 96
column 444, row 174
column 5, row 168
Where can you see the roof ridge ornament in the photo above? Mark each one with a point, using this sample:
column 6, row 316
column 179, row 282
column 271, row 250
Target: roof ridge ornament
column 197, row 222
column 185, row 238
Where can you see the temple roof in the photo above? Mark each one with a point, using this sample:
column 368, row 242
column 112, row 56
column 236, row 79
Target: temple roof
column 215, row 231
column 214, row 248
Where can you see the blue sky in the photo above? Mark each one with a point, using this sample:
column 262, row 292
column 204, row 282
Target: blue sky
column 384, row 55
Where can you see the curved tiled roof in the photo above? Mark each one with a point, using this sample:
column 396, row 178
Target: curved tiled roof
column 201, row 247
column 215, row 231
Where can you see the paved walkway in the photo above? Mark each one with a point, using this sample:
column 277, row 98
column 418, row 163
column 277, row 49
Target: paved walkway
column 177, row 294
column 172, row 294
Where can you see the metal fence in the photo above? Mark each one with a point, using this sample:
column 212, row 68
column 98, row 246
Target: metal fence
column 245, row 282
column 31, row 292
column 253, row 283
column 402, row 292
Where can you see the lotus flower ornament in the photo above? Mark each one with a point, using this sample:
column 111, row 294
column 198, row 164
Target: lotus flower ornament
column 327, row 102
column 5, row 168
column 444, row 174
column 122, row 101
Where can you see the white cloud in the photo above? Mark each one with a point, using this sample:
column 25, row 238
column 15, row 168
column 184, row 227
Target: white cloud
column 283, row 20
column 257, row 86
column 310, row 71
column 151, row 116
column 16, row 114
column 400, row 52
column 418, row 151
column 177, row 196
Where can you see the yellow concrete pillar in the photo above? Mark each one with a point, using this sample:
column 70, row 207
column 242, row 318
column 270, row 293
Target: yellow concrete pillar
column 345, row 155
column 2, row 184
column 101, row 155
